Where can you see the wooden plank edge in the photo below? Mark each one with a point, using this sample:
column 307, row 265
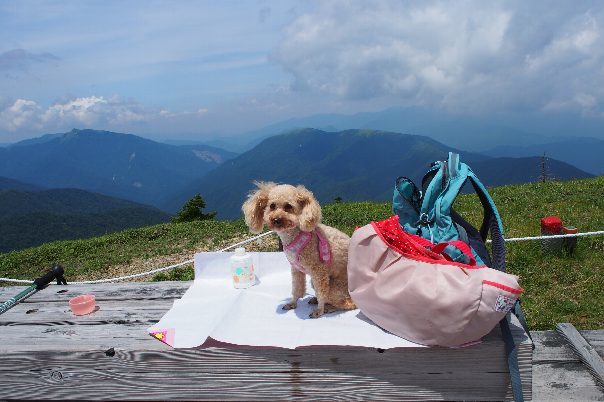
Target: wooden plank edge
column 586, row 352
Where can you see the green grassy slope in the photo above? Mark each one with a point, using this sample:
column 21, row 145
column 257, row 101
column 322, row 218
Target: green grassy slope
column 558, row 288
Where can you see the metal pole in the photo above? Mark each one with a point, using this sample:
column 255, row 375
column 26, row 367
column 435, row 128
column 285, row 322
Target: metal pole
column 10, row 303
column 56, row 272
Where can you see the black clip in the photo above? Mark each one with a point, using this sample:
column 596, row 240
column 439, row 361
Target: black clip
column 56, row 272
column 59, row 271
column 423, row 220
column 61, row 280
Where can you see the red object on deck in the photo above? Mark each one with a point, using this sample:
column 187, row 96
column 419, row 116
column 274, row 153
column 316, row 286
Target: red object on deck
column 551, row 225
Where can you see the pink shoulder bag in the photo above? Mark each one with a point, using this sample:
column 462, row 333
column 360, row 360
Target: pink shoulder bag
column 420, row 295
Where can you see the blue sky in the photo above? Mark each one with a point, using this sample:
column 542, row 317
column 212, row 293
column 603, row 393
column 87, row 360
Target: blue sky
column 198, row 69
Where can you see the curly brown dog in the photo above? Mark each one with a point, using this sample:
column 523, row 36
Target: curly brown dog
column 311, row 247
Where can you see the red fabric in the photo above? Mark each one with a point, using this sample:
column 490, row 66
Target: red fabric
column 417, row 247
column 506, row 288
column 463, row 247
column 406, row 243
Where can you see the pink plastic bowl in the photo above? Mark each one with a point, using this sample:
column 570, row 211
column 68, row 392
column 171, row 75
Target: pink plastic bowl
column 83, row 304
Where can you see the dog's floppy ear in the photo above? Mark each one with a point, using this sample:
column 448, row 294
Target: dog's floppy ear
column 253, row 207
column 310, row 215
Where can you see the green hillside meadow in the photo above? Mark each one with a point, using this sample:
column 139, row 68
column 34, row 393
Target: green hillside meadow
column 558, row 288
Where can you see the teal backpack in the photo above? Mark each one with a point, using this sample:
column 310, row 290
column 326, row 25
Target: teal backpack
column 429, row 213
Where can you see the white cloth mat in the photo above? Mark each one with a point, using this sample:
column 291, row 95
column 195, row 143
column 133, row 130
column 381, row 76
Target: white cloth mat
column 212, row 307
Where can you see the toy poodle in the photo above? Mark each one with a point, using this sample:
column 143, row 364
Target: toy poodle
column 311, row 247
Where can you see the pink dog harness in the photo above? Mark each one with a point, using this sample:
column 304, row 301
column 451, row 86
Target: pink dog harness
column 293, row 249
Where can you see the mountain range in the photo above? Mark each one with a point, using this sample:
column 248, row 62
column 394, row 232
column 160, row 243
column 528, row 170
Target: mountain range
column 552, row 135
column 584, row 152
column 468, row 132
column 32, row 217
column 119, row 165
column 353, row 165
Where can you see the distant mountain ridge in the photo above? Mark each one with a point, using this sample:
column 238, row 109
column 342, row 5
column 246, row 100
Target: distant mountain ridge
column 38, row 140
column 30, row 218
column 471, row 133
column 586, row 153
column 353, row 164
column 120, row 165
column 11, row 184
column 496, row 172
column 496, row 136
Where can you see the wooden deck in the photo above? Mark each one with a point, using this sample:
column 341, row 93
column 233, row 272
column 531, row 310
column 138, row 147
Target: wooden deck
column 48, row 353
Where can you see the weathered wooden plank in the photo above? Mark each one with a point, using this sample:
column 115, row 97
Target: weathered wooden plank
column 216, row 373
column 586, row 352
column 42, row 338
column 550, row 347
column 111, row 321
column 69, row 338
column 483, row 360
column 124, row 312
column 564, row 381
column 595, row 339
column 112, row 291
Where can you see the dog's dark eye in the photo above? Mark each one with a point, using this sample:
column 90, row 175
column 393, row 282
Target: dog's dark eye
column 288, row 207
column 273, row 206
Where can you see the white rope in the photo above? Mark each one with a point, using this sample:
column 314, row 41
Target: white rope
column 241, row 243
column 16, row 280
column 513, row 239
column 122, row 278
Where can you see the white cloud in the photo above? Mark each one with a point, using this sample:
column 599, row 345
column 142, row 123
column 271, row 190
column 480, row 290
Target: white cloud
column 586, row 104
column 95, row 112
column 165, row 113
column 92, row 111
column 469, row 56
column 81, row 110
column 19, row 114
column 578, row 41
column 28, row 117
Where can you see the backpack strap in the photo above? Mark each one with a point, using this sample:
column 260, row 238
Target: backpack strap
column 491, row 223
column 460, row 173
column 511, row 352
column 458, row 244
column 433, row 184
column 472, row 237
column 406, row 200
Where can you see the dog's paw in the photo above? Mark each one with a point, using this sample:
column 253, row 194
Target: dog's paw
column 316, row 313
column 313, row 300
column 289, row 306
column 330, row 309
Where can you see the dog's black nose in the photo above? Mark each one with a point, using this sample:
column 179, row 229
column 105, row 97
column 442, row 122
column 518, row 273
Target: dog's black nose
column 277, row 221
